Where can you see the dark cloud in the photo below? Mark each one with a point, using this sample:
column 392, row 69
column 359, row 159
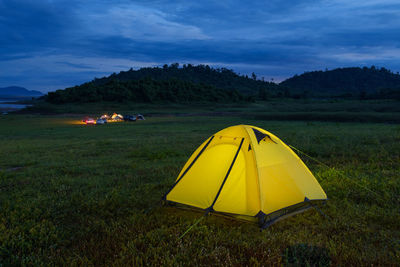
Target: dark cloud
column 52, row 44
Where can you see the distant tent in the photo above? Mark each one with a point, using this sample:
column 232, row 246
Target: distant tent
column 249, row 173
column 140, row 117
column 116, row 116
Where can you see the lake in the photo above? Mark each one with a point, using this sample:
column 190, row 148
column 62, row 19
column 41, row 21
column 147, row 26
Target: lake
column 7, row 105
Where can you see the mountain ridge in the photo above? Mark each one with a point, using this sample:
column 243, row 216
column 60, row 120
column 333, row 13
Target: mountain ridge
column 18, row 91
column 189, row 83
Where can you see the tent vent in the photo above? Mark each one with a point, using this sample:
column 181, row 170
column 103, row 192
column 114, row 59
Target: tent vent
column 260, row 136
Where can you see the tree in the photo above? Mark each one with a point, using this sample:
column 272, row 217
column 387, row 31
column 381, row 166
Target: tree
column 262, row 94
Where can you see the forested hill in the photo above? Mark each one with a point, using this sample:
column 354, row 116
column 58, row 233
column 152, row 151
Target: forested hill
column 344, row 81
column 202, row 83
column 144, row 91
column 220, row 78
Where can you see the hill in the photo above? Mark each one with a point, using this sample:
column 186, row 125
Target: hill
column 355, row 81
column 16, row 91
column 171, row 83
column 145, row 90
column 221, row 78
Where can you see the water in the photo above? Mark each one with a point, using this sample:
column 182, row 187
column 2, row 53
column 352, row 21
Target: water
column 7, row 105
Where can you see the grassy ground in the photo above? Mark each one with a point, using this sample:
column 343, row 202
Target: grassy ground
column 76, row 195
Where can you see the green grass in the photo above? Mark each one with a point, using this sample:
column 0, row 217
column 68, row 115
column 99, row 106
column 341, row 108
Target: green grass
column 77, row 195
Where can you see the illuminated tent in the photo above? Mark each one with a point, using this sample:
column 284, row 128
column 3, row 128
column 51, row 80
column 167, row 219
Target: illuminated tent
column 249, row 173
column 116, row 116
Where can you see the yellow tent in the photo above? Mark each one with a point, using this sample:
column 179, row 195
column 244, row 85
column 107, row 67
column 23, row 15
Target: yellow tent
column 246, row 172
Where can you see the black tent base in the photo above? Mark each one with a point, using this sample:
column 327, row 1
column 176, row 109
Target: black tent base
column 263, row 220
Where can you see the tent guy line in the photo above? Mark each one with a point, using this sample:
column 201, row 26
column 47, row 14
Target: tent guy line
column 338, row 172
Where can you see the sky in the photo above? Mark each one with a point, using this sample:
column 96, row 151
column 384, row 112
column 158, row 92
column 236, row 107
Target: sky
column 53, row 44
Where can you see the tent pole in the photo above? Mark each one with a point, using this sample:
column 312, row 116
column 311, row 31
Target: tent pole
column 211, row 208
column 188, row 168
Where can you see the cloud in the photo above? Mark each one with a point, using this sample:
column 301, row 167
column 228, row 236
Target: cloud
column 52, row 43
column 137, row 22
column 367, row 54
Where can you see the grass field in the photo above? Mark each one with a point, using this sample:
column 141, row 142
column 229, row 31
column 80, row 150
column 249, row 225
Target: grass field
column 72, row 194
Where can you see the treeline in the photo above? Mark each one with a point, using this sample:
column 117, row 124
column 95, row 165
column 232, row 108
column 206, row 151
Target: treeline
column 146, row 90
column 385, row 93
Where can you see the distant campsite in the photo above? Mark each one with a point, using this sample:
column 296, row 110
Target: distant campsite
column 115, row 117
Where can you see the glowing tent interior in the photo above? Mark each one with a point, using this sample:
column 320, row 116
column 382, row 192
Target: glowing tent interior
column 249, row 173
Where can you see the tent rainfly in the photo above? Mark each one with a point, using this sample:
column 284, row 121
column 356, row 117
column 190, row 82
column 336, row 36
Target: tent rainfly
column 249, row 173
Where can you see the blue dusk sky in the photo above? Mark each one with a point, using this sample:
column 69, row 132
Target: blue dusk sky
column 53, row 44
